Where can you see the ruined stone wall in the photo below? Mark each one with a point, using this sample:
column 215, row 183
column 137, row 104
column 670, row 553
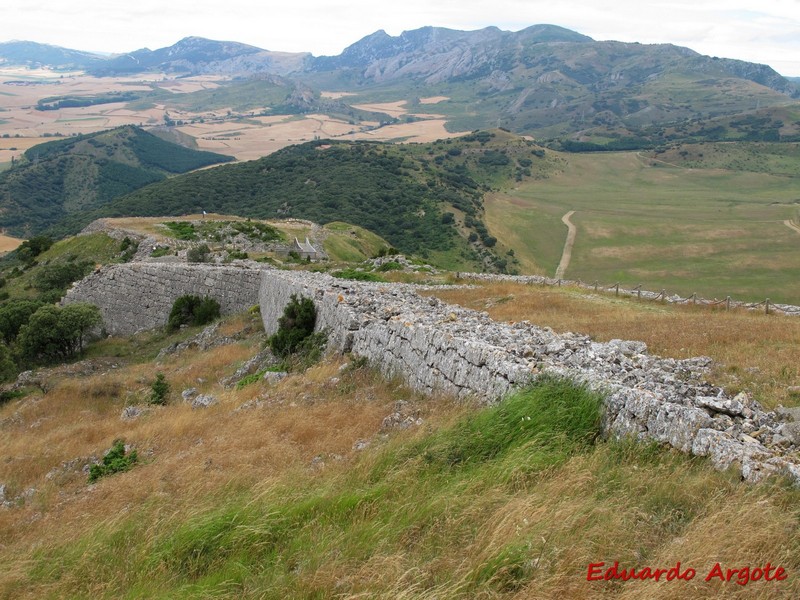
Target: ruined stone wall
column 138, row 296
column 440, row 347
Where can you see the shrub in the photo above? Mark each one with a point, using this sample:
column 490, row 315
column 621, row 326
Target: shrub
column 199, row 254
column 159, row 390
column 57, row 333
column 60, row 276
column 160, row 251
column 192, row 310
column 392, row 265
column 296, row 324
column 114, row 461
column 358, row 275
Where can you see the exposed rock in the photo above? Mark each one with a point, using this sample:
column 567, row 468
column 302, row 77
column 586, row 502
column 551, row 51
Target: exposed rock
column 260, row 361
column 403, row 417
column 361, row 445
column 188, row 394
column 274, row 376
column 131, row 413
column 204, row 401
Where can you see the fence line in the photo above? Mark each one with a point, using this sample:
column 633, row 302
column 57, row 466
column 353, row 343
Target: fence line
column 767, row 305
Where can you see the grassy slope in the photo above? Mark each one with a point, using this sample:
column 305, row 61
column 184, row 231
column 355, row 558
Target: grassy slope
column 275, row 502
column 713, row 231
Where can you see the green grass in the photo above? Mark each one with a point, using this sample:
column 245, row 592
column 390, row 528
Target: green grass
column 351, row 243
column 242, row 545
column 514, row 499
column 96, row 247
column 716, row 232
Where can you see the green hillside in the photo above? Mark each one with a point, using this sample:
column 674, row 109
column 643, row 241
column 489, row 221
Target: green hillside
column 424, row 198
column 80, row 173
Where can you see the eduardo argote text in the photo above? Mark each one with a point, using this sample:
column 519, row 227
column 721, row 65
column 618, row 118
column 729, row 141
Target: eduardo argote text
column 741, row 576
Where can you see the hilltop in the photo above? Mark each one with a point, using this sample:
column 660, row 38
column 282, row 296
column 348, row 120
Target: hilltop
column 424, row 199
column 77, row 174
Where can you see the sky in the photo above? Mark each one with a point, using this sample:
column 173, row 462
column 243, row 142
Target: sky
column 764, row 32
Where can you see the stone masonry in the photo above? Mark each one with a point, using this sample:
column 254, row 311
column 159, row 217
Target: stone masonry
column 139, row 296
column 437, row 347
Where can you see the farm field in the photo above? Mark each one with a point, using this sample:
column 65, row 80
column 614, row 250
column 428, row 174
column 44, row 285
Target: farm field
column 716, row 232
column 222, row 129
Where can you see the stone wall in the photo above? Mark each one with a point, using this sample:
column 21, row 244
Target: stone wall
column 437, row 347
column 138, row 296
column 440, row 347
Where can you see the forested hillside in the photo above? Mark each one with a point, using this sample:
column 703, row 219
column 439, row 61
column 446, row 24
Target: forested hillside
column 80, row 173
column 423, row 198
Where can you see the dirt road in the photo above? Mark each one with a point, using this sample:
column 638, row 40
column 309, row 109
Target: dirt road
column 566, row 254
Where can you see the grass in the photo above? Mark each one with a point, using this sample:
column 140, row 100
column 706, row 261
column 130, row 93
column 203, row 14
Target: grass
column 754, row 352
column 267, row 494
column 510, row 501
column 712, row 231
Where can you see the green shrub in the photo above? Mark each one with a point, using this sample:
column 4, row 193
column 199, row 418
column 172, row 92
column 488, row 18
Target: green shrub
column 192, row 310
column 358, row 275
column 199, row 254
column 183, row 230
column 54, row 333
column 237, row 255
column 161, row 251
column 114, row 461
column 59, row 276
column 390, row 266
column 159, row 390
column 296, row 324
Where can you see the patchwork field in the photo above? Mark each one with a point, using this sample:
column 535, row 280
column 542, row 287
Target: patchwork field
column 716, row 232
column 223, row 129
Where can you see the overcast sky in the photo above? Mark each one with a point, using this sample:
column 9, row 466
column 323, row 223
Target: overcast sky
column 766, row 32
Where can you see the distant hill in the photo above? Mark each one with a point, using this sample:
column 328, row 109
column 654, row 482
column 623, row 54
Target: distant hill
column 424, row 199
column 544, row 80
column 34, row 54
column 80, row 173
column 200, row 55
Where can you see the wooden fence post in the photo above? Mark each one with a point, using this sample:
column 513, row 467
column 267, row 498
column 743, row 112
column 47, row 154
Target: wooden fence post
column 595, row 285
column 639, row 291
column 728, row 303
column 766, row 307
column 616, row 286
column 663, row 296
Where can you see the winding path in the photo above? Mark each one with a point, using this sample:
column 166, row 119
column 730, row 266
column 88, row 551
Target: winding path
column 792, row 226
column 566, row 254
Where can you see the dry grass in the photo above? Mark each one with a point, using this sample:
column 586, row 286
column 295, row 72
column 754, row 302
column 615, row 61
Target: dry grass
column 7, row 243
column 754, row 352
column 506, row 529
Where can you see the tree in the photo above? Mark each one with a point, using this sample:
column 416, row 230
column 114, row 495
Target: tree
column 296, row 324
column 54, row 333
column 13, row 315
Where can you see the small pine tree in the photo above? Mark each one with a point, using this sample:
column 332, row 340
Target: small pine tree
column 159, row 390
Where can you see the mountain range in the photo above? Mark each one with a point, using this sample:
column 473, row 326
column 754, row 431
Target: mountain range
column 544, row 80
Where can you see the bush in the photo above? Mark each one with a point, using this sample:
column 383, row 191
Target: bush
column 199, row 254
column 114, row 461
column 192, row 310
column 57, row 333
column 159, row 390
column 59, row 277
column 296, row 324
column 392, row 265
column 356, row 275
